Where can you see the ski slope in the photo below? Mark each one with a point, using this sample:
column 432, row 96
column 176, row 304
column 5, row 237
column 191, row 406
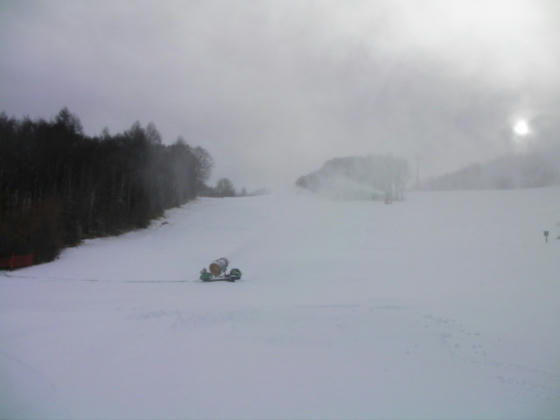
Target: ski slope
column 442, row 306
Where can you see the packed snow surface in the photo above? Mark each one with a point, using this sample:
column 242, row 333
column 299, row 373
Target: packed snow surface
column 445, row 305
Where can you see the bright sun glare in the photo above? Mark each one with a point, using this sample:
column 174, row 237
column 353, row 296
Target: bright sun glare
column 521, row 128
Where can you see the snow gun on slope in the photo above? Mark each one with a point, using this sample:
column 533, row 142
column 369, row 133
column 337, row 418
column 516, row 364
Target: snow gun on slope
column 218, row 271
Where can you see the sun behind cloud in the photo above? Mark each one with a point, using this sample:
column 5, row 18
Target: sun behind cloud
column 521, row 128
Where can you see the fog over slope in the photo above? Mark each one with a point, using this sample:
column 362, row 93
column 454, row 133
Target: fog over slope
column 368, row 177
column 527, row 170
column 272, row 89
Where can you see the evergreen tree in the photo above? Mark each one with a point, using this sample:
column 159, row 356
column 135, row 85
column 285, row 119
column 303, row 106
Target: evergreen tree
column 59, row 186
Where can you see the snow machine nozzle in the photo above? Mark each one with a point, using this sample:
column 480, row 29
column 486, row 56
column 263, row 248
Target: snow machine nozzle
column 219, row 266
column 218, row 271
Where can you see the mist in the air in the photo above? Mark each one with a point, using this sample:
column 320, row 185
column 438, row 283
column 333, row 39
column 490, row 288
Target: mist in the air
column 274, row 89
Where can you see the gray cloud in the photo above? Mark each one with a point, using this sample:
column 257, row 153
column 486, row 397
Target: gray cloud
column 274, row 88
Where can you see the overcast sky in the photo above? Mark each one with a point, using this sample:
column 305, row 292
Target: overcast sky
column 272, row 89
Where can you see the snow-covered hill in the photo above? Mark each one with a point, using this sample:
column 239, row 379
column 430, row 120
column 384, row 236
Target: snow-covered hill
column 531, row 170
column 445, row 305
column 372, row 177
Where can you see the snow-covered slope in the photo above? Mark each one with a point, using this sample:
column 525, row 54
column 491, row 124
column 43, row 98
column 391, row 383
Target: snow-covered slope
column 445, row 305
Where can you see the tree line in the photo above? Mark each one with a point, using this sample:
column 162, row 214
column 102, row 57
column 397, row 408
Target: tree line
column 360, row 177
column 59, row 186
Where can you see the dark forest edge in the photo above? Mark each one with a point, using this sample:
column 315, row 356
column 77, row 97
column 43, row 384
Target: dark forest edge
column 59, row 186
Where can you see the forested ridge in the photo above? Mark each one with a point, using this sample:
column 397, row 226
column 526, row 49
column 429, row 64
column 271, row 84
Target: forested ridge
column 59, row 186
column 359, row 177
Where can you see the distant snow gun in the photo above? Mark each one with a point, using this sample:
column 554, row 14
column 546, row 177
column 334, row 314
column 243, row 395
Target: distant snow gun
column 218, row 271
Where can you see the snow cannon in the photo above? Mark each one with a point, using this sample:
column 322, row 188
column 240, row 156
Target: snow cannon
column 218, row 271
column 219, row 266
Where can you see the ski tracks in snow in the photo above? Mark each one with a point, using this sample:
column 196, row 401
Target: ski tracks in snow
column 467, row 345
column 361, row 329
